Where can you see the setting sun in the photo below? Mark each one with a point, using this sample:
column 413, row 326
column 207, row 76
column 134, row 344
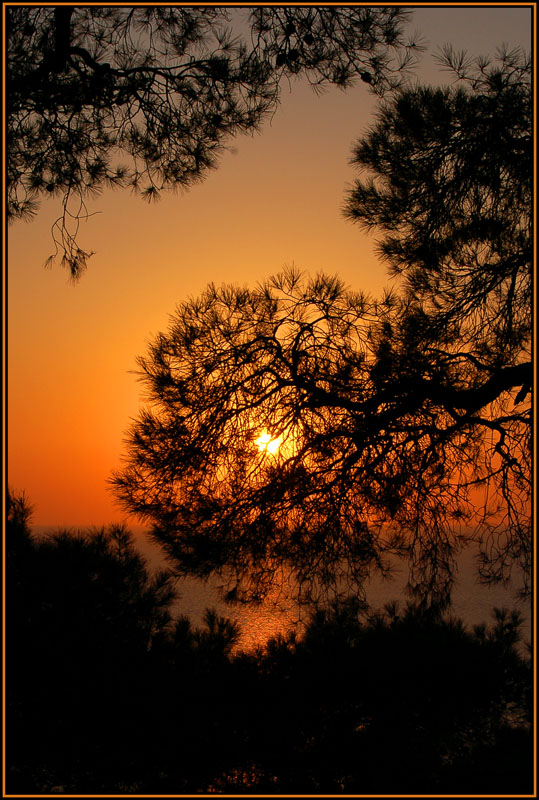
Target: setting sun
column 265, row 442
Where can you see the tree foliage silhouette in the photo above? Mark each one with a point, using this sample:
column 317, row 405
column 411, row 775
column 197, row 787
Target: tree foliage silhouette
column 405, row 423
column 93, row 658
column 449, row 184
column 165, row 87
column 107, row 693
column 397, row 701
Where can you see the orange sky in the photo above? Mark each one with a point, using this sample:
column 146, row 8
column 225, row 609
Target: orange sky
column 275, row 200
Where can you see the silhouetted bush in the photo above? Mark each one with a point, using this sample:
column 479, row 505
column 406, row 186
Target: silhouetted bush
column 107, row 693
column 409, row 703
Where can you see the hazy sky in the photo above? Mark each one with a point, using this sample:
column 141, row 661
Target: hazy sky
column 275, row 200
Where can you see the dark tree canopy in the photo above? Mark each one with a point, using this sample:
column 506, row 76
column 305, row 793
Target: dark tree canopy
column 109, row 692
column 449, row 184
column 146, row 97
column 92, row 588
column 384, row 441
column 404, row 424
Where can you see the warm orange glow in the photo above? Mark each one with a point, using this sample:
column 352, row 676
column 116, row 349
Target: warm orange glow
column 275, row 199
column 267, row 444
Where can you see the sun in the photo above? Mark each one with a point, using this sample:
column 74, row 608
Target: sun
column 267, row 444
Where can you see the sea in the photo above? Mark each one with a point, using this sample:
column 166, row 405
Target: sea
column 472, row 601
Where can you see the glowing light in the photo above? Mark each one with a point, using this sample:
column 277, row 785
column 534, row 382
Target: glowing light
column 265, row 442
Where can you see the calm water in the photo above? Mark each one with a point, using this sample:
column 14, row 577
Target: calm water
column 471, row 601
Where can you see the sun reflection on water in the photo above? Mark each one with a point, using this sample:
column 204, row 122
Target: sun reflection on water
column 281, row 615
column 258, row 623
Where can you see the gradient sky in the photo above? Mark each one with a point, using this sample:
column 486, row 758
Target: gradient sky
column 275, row 200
